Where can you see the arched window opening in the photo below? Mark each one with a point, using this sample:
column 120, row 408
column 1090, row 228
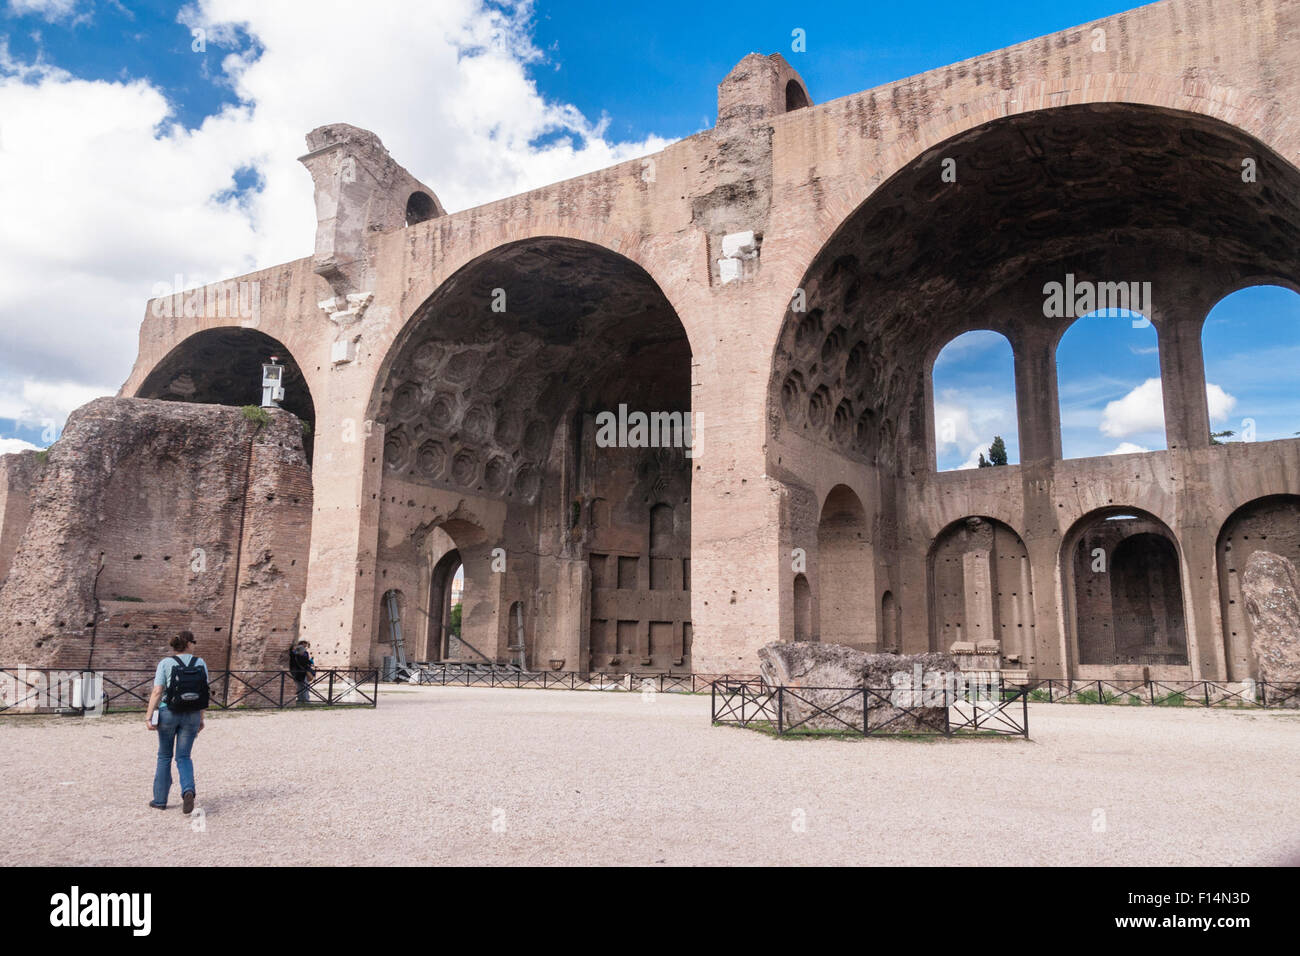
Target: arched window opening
column 795, row 97
column 1108, row 385
column 975, row 403
column 1251, row 345
column 419, row 208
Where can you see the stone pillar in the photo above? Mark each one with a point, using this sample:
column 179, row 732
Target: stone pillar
column 978, row 615
column 1182, row 380
column 338, row 612
column 1205, row 645
column 1049, row 653
column 1038, row 410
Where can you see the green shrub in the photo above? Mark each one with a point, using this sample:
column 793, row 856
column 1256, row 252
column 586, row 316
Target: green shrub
column 258, row 414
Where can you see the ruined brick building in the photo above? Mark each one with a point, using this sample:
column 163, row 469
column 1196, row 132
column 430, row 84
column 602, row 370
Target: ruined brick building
column 788, row 278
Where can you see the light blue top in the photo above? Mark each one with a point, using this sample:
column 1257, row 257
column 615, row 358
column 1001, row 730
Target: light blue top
column 163, row 675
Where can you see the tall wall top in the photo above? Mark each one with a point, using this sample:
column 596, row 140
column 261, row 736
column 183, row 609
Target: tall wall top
column 360, row 189
column 758, row 87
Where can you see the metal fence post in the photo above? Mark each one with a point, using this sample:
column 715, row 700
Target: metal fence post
column 1207, row 692
column 780, row 710
column 281, row 690
column 1263, row 693
column 1152, row 687
column 713, row 702
column 866, row 709
column 330, row 697
column 1024, row 712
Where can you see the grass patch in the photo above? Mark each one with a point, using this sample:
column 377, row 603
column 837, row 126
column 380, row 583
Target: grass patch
column 1176, row 698
column 257, row 414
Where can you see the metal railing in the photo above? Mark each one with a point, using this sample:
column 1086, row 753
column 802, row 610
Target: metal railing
column 1166, row 693
column 869, row 712
column 451, row 675
column 53, row 690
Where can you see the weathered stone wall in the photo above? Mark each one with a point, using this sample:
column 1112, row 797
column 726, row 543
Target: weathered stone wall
column 18, row 473
column 139, row 520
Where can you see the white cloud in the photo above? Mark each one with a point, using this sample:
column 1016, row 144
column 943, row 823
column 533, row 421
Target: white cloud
column 1127, row 448
column 1141, row 410
column 108, row 196
column 11, row 446
column 1220, row 402
column 49, row 10
column 973, row 459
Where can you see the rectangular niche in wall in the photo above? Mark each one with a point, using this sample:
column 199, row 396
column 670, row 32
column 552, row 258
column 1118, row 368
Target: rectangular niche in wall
column 627, row 572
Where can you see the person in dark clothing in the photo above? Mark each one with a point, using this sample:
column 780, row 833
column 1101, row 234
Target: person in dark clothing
column 302, row 668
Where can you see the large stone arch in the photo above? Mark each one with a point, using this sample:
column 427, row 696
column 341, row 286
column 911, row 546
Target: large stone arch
column 449, row 248
column 1038, row 192
column 223, row 366
column 494, row 398
column 1253, row 116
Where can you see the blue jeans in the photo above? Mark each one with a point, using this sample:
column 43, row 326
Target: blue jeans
column 178, row 729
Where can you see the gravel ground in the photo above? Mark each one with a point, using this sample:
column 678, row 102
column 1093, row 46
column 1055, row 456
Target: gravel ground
column 494, row 776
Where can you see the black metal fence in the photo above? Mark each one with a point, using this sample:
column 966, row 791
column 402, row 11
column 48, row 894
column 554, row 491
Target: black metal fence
column 1166, row 693
column 453, row 676
column 48, row 690
column 869, row 712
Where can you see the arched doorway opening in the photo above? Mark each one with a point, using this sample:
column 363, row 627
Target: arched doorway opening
column 1123, row 575
column 980, row 591
column 1265, row 524
column 446, row 609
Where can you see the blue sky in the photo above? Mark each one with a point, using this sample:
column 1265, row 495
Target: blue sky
column 157, row 160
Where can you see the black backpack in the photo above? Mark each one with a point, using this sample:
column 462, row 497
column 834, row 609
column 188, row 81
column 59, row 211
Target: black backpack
column 188, row 687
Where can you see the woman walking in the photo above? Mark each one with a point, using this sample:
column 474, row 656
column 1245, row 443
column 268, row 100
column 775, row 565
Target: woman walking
column 175, row 712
